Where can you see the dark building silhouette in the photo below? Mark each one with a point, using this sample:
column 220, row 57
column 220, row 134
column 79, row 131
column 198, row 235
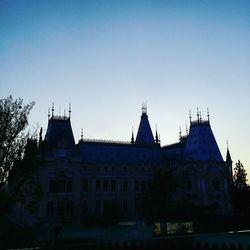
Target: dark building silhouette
column 80, row 178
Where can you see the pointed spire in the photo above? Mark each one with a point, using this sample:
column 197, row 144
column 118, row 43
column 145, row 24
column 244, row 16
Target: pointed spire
column 64, row 114
column 208, row 116
column 144, row 133
column 144, row 108
column 53, row 109
column 180, row 134
column 186, row 130
column 132, row 137
column 69, row 110
column 81, row 134
column 228, row 156
column 198, row 114
column 59, row 110
column 157, row 141
column 190, row 117
column 40, row 135
column 48, row 113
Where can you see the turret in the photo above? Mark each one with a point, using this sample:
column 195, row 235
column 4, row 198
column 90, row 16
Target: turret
column 201, row 144
column 59, row 133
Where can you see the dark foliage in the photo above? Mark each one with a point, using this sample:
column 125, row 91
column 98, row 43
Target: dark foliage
column 240, row 176
column 240, row 191
column 157, row 200
column 13, row 121
column 18, row 155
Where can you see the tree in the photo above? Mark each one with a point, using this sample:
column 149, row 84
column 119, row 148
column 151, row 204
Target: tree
column 157, row 200
column 16, row 155
column 240, row 191
column 240, row 176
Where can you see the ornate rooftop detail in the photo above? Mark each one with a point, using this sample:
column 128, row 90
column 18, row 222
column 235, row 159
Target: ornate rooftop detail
column 144, row 134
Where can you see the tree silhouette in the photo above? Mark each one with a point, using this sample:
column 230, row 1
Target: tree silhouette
column 240, row 191
column 17, row 157
column 157, row 199
column 240, row 176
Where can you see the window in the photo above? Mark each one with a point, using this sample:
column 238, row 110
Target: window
column 125, row 186
column 69, row 186
column 60, row 208
column 125, row 205
column 50, row 208
column 201, row 184
column 60, row 186
column 98, row 206
column 143, row 185
column 84, row 184
column 216, row 184
column 105, row 185
column 98, row 185
column 84, row 206
column 137, row 205
column 52, row 186
column 70, row 208
column 113, row 186
column 136, row 186
column 189, row 184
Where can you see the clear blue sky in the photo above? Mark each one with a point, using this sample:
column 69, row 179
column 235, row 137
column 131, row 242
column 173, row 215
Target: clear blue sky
column 107, row 57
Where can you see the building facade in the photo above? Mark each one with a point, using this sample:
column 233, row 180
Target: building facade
column 79, row 179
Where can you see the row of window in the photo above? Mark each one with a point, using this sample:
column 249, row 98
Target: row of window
column 60, row 186
column 112, row 185
column 124, row 169
column 216, row 184
column 65, row 185
column 60, row 208
column 204, row 152
column 66, row 208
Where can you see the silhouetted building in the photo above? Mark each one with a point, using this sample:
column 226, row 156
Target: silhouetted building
column 79, row 179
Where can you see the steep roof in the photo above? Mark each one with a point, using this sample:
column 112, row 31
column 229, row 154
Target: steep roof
column 201, row 144
column 59, row 132
column 144, row 134
column 101, row 152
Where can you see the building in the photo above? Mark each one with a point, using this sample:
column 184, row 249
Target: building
column 79, row 179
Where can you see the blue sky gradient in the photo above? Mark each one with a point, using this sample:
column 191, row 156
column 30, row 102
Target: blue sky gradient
column 107, row 57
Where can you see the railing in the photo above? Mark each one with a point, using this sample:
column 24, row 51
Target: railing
column 105, row 141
